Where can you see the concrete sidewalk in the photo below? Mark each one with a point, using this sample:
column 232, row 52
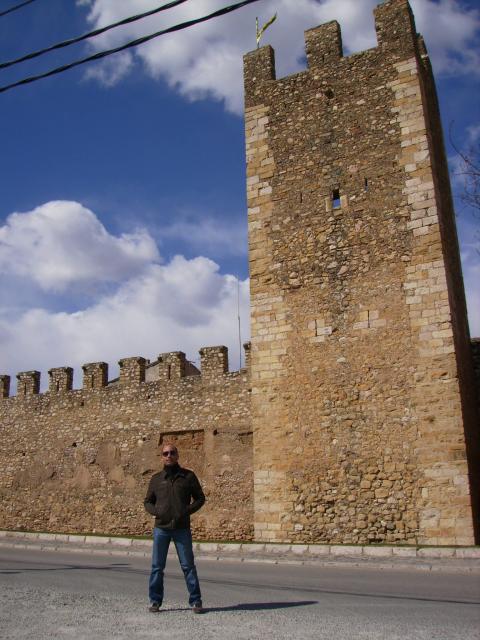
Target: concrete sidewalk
column 457, row 559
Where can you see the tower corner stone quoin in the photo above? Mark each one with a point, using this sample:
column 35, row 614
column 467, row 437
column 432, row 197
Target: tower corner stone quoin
column 355, row 418
column 363, row 402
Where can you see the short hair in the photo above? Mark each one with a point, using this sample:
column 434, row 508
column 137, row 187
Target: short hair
column 172, row 446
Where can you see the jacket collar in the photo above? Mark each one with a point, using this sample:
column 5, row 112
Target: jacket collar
column 180, row 471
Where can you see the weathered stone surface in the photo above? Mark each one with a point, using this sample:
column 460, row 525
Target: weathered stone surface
column 362, row 396
column 80, row 461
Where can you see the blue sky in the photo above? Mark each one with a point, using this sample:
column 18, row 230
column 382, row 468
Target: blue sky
column 122, row 208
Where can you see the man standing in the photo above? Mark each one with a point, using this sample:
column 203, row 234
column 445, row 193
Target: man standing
column 173, row 495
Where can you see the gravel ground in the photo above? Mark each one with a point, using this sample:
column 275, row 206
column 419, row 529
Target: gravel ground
column 46, row 615
column 30, row 613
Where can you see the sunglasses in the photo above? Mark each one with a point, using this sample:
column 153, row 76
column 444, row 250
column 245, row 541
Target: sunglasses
column 169, row 454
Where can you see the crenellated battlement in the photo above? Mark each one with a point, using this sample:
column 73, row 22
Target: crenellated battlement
column 323, row 44
column 4, row 386
column 169, row 367
column 28, row 384
column 61, row 379
column 395, row 27
column 214, row 361
column 95, row 375
column 396, row 38
column 172, row 366
column 132, row 370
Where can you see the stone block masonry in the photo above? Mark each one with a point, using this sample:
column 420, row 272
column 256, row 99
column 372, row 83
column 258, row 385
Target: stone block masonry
column 356, row 418
column 80, row 460
column 362, row 386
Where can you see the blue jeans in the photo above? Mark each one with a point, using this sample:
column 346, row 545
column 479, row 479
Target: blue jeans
column 182, row 539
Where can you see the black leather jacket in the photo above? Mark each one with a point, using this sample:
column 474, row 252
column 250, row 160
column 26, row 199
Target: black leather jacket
column 172, row 496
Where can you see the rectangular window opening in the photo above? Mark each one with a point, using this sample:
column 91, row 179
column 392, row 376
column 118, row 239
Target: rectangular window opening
column 336, row 199
column 365, row 184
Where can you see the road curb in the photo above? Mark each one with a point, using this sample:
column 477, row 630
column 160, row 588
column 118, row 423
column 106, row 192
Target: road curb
column 458, row 559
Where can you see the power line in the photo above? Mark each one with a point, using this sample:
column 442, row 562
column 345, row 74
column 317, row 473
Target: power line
column 128, row 45
column 90, row 34
column 15, row 8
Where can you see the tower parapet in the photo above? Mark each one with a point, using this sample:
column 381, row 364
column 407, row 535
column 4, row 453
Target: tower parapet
column 323, row 44
column 395, row 27
column 259, row 68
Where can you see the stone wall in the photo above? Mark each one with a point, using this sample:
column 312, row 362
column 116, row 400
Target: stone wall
column 362, row 418
column 80, row 460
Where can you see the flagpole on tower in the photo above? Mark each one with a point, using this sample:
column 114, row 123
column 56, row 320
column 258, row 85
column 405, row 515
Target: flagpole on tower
column 261, row 31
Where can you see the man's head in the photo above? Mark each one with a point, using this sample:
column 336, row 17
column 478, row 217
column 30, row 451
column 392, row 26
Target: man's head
column 169, row 455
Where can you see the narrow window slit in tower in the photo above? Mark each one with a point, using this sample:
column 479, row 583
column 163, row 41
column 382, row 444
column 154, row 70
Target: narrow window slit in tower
column 301, row 196
column 365, row 184
column 336, row 198
column 169, row 372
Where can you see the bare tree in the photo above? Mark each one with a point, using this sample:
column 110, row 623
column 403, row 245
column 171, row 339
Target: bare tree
column 469, row 171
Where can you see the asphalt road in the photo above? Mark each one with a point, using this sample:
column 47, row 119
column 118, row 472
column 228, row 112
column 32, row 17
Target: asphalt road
column 49, row 595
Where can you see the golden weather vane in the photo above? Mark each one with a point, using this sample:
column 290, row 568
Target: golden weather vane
column 265, row 26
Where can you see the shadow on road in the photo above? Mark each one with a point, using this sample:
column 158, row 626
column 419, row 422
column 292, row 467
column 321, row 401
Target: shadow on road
column 114, row 566
column 248, row 606
column 261, row 606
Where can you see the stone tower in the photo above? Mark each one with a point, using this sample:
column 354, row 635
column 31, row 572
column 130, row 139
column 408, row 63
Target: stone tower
column 363, row 407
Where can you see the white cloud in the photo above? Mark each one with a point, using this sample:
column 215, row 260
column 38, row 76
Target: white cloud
column 450, row 29
column 213, row 236
column 62, row 243
column 206, row 60
column 185, row 304
column 112, row 70
column 473, row 133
